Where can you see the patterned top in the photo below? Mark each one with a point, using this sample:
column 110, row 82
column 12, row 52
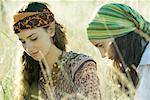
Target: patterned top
column 73, row 77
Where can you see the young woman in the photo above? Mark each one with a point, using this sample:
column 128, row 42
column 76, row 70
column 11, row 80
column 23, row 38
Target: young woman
column 48, row 68
column 116, row 31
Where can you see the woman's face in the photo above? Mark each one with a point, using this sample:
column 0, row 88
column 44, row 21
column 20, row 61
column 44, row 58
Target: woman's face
column 105, row 47
column 36, row 42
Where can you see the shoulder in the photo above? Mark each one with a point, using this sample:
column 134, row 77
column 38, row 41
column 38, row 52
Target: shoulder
column 76, row 61
column 77, row 56
column 145, row 56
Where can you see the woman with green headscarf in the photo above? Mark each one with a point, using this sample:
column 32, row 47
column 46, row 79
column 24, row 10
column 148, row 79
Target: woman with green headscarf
column 116, row 31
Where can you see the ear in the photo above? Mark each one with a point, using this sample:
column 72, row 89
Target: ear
column 51, row 29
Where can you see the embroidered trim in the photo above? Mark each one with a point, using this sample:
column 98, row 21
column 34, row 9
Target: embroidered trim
column 32, row 20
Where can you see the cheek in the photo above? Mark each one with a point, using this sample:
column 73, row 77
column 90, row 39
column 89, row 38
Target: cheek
column 111, row 51
column 44, row 45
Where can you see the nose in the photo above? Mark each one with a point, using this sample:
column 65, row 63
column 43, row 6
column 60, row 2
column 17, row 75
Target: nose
column 103, row 53
column 28, row 47
column 106, row 54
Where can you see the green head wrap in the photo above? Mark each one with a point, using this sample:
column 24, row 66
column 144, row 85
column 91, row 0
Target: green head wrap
column 115, row 20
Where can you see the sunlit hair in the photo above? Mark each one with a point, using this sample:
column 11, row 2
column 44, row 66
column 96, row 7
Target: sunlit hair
column 31, row 69
column 128, row 53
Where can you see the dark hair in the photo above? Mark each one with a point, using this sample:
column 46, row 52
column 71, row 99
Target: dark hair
column 131, row 48
column 31, row 69
column 34, row 7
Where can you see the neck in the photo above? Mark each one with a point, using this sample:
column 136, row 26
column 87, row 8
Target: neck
column 52, row 56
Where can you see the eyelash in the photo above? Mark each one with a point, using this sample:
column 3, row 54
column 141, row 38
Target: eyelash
column 99, row 45
column 23, row 42
column 34, row 39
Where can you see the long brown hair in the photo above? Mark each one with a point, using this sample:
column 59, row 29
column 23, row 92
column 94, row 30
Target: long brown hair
column 31, row 68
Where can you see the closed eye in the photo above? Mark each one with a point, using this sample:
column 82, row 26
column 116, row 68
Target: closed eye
column 34, row 39
column 98, row 45
column 23, row 42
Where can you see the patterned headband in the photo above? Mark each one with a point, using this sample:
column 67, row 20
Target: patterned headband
column 29, row 20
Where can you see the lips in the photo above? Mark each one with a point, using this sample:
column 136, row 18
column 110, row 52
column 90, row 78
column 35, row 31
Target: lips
column 33, row 54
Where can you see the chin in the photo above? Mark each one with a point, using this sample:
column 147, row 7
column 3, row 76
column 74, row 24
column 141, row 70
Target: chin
column 37, row 58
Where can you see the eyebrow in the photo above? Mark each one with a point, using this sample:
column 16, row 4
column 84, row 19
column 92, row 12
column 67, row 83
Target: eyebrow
column 29, row 35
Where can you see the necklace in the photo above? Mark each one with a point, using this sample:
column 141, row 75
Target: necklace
column 53, row 77
column 54, row 74
column 56, row 69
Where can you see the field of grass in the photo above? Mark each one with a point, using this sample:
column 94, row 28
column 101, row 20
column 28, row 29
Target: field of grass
column 74, row 15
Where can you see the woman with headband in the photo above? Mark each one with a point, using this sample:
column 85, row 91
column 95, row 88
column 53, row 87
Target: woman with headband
column 47, row 67
column 116, row 31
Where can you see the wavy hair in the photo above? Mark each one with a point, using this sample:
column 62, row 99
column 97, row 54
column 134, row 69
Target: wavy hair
column 31, row 68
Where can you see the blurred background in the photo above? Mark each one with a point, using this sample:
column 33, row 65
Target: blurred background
column 75, row 16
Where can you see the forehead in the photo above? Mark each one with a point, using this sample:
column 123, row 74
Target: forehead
column 102, row 41
column 28, row 32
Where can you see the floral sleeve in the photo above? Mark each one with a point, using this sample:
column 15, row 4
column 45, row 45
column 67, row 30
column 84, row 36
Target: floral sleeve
column 87, row 80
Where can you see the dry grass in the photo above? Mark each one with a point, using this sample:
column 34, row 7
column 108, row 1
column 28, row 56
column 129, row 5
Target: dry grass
column 78, row 14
